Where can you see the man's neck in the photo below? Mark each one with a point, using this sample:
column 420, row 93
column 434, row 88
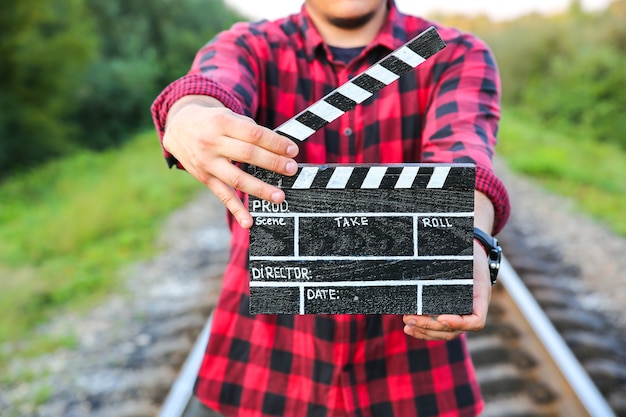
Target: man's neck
column 349, row 37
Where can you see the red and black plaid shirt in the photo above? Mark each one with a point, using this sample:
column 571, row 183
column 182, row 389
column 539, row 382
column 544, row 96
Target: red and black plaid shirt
column 343, row 365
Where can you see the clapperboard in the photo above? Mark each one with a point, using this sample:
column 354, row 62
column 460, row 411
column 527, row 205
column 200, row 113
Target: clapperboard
column 364, row 239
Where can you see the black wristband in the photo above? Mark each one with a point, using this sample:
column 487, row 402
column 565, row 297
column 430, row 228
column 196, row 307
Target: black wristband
column 494, row 252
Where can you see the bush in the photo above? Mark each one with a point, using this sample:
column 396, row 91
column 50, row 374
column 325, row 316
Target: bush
column 568, row 69
column 45, row 46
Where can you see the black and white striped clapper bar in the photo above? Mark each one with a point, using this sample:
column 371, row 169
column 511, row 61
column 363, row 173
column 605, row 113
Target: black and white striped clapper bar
column 364, row 239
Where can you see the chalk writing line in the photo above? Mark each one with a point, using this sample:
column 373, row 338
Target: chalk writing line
column 364, row 258
column 385, row 283
column 366, row 214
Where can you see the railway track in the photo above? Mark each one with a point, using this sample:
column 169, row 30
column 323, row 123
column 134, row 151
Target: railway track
column 523, row 364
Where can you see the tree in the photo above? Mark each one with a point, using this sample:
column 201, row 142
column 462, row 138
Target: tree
column 145, row 45
column 45, row 45
column 82, row 73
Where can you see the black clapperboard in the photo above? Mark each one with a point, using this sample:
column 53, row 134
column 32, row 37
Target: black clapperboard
column 364, row 239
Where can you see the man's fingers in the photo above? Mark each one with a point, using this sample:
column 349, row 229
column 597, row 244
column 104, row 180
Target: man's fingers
column 446, row 322
column 257, row 135
column 207, row 139
column 230, row 199
column 240, row 180
column 442, row 327
column 428, row 334
column 245, row 152
column 469, row 322
column 226, row 178
column 247, row 142
column 424, row 322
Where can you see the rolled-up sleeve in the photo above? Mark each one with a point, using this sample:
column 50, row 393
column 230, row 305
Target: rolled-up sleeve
column 222, row 69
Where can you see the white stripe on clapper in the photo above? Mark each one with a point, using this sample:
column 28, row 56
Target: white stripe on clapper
column 407, row 177
column 382, row 74
column 326, row 111
column 354, row 92
column 296, row 129
column 439, row 177
column 408, row 56
column 340, row 177
column 377, row 283
column 416, row 235
column 420, row 304
column 374, row 177
column 305, row 179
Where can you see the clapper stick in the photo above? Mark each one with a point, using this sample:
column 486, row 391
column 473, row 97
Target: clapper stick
column 366, row 239
column 363, row 86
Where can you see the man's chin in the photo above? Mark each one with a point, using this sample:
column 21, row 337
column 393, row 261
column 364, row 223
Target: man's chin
column 352, row 22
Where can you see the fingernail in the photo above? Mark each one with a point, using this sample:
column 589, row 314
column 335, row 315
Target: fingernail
column 412, row 323
column 276, row 197
column 291, row 167
column 292, row 150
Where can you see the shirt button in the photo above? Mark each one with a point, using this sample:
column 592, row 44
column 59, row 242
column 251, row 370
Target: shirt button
column 347, row 131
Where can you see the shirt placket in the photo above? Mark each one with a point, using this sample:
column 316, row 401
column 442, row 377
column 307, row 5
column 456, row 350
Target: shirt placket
column 347, row 149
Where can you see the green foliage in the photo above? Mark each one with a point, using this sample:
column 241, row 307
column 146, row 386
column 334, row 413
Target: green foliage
column 592, row 101
column 145, row 45
column 568, row 69
column 573, row 165
column 69, row 225
column 82, row 73
column 45, row 45
column 564, row 79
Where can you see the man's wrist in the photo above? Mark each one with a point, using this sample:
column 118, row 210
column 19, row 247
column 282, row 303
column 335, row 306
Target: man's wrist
column 199, row 100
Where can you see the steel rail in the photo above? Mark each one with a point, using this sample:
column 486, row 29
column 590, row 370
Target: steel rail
column 569, row 366
column 182, row 390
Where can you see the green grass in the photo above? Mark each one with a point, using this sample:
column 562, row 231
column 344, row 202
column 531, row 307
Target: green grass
column 593, row 174
column 68, row 227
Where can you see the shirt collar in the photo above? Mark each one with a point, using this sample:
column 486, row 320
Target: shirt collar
column 392, row 34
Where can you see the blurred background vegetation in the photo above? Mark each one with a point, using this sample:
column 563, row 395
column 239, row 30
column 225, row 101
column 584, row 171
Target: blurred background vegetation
column 83, row 186
column 567, row 70
column 564, row 102
column 81, row 74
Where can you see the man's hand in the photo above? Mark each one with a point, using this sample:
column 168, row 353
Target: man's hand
column 206, row 138
column 446, row 326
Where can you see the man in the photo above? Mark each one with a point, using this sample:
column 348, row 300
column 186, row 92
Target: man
column 445, row 111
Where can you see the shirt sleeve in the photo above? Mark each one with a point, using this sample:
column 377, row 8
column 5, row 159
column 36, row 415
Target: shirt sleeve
column 462, row 119
column 221, row 69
